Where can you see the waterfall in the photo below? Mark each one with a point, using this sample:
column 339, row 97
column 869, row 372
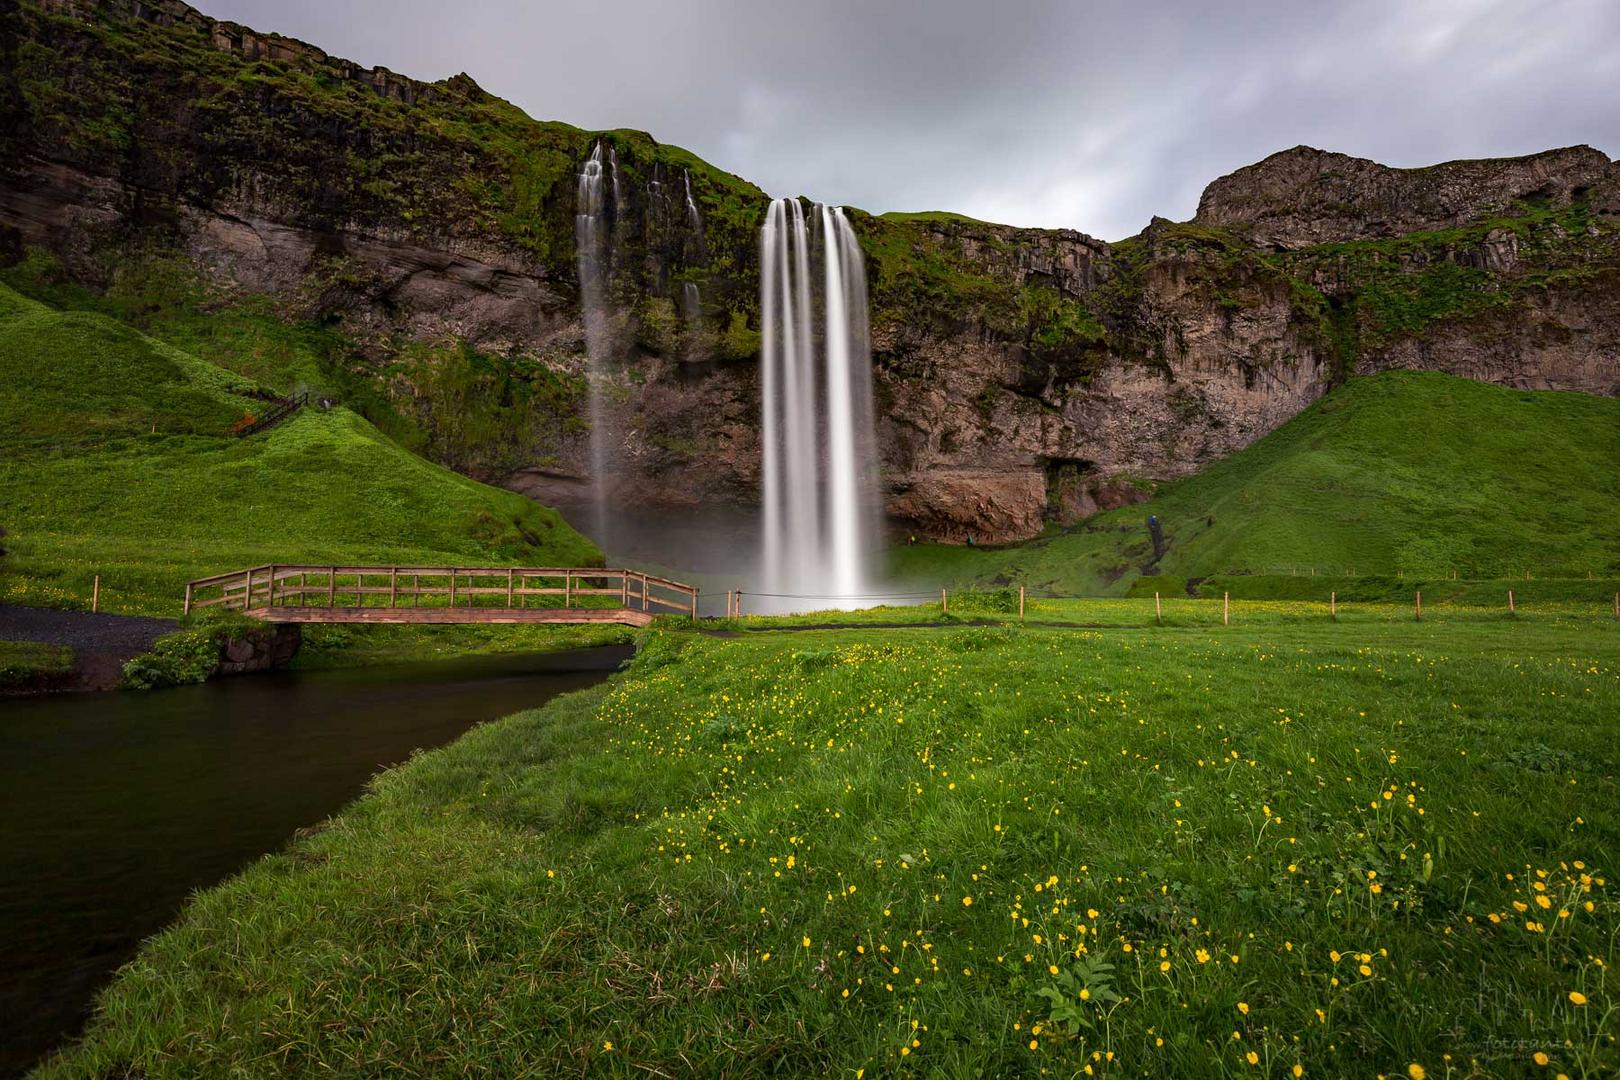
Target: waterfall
column 591, row 247
column 693, row 218
column 816, row 420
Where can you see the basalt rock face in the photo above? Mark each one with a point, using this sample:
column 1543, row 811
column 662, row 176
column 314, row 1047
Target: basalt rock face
column 1021, row 375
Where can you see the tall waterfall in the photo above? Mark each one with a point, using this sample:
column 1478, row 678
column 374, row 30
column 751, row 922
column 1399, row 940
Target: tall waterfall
column 591, row 247
column 818, row 484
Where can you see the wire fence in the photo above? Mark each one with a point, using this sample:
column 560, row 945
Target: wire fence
column 1009, row 600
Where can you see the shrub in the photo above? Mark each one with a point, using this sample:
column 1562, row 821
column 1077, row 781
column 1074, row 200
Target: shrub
column 177, row 659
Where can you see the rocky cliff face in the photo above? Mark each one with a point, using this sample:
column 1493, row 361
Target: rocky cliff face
column 425, row 230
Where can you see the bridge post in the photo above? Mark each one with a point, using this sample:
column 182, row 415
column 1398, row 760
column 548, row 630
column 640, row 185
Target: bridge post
column 452, row 586
column 393, row 586
column 694, row 605
column 331, row 587
column 272, row 601
column 509, row 588
column 624, row 588
column 568, row 590
column 187, row 610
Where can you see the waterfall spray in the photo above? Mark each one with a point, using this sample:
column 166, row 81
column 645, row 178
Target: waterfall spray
column 816, row 429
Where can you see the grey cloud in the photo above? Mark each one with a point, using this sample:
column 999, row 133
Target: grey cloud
column 1090, row 115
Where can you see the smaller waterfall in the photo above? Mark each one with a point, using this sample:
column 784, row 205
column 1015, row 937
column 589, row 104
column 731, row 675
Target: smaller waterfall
column 693, row 218
column 816, row 422
column 591, row 243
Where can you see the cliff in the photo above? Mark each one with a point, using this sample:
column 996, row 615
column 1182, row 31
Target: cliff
column 418, row 240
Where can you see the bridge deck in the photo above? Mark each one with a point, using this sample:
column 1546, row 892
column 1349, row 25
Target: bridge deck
column 426, row 616
column 444, row 594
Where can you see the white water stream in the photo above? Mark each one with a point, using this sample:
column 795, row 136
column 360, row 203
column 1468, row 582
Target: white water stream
column 817, row 499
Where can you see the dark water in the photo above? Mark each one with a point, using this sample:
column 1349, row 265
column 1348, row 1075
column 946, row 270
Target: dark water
column 115, row 807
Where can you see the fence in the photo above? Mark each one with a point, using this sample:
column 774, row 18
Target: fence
column 265, row 591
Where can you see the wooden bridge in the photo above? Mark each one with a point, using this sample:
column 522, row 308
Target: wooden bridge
column 443, row 594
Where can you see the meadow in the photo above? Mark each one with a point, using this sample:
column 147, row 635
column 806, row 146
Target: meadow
column 1400, row 473
column 116, row 460
column 1284, row 847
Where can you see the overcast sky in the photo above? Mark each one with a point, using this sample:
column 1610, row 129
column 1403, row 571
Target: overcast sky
column 1085, row 115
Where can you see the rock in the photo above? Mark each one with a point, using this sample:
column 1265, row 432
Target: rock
column 259, row 648
column 1306, row 196
column 986, row 507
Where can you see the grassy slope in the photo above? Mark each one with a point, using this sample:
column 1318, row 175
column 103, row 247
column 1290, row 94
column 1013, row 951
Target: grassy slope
column 756, row 859
column 1410, row 471
column 114, row 459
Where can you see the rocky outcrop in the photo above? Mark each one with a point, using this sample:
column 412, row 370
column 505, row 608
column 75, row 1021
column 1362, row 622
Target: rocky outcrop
column 1021, row 375
column 1304, row 196
column 258, row 649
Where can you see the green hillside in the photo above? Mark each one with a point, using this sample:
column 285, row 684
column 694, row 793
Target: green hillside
column 116, row 458
column 1399, row 473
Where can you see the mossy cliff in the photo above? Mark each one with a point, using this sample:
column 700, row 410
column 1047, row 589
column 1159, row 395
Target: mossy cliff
column 407, row 247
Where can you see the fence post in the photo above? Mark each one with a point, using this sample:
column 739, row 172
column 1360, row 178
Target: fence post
column 1020, row 603
column 694, row 605
column 944, row 603
column 1510, row 601
column 1158, row 610
column 1418, row 609
column 1226, row 609
column 95, row 594
column 187, row 610
column 1333, row 605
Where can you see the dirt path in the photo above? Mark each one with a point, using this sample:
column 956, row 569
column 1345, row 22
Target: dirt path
column 100, row 643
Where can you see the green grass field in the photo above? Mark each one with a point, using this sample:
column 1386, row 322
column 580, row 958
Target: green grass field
column 1410, row 472
column 115, row 459
column 1352, row 848
column 24, row 662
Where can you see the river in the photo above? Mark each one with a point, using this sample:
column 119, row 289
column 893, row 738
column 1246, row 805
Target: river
column 115, row 807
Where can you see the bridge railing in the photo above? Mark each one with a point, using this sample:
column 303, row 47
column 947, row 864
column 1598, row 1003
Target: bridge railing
column 509, row 587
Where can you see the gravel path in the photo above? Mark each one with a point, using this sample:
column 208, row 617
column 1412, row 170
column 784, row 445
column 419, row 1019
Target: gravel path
column 100, row 643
